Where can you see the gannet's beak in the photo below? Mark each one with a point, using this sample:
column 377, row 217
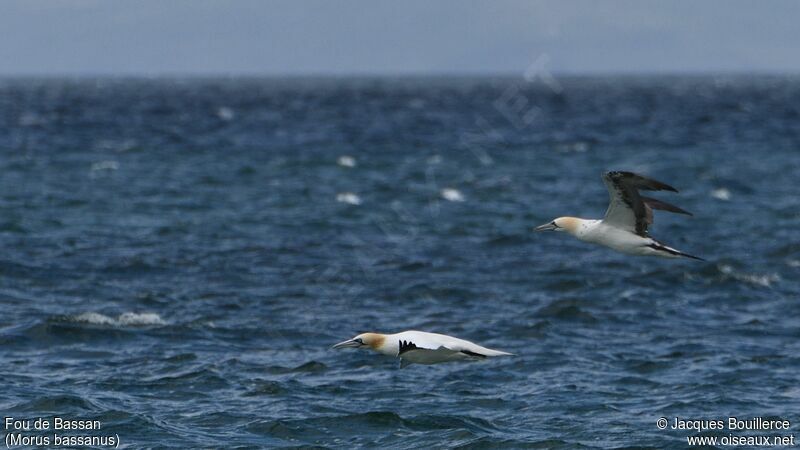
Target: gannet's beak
column 546, row 227
column 351, row 343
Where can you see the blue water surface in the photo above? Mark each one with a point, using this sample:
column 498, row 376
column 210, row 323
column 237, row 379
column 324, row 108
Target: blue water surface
column 175, row 262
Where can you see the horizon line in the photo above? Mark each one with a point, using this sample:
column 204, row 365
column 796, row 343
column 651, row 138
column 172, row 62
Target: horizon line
column 382, row 74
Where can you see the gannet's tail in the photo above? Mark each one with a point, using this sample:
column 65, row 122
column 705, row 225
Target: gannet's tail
column 671, row 252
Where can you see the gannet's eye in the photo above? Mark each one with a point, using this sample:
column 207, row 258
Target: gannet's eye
column 359, row 340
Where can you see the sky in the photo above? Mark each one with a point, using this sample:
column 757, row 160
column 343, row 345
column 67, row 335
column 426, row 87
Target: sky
column 403, row 37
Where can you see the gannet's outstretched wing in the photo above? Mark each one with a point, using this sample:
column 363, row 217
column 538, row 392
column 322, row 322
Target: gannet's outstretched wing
column 627, row 209
column 410, row 353
column 430, row 348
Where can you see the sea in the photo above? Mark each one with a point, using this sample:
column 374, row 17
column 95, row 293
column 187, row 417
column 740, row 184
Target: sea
column 179, row 255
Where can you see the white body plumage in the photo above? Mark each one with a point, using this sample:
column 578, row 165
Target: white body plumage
column 597, row 232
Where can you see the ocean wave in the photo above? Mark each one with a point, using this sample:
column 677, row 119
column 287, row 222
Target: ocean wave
column 349, row 198
column 721, row 194
column 727, row 272
column 346, row 161
column 55, row 403
column 309, row 367
column 265, row 387
column 566, row 309
column 126, row 319
column 374, row 421
column 225, row 113
column 452, row 195
column 108, row 165
column 764, row 280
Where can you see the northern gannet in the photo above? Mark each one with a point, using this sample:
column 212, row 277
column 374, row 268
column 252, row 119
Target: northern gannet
column 624, row 227
column 420, row 347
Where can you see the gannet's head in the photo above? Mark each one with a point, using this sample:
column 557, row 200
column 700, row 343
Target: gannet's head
column 364, row 340
column 568, row 224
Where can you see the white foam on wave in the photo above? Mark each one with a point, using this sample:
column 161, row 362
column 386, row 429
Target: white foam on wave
column 751, row 278
column 94, row 318
column 349, row 198
column 104, row 165
column 130, row 318
column 573, row 147
column 452, row 195
column 225, row 113
column 119, row 146
column 721, row 194
column 124, row 319
column 346, row 161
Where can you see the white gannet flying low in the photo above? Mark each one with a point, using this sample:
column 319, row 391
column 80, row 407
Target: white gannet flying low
column 624, row 228
column 420, row 347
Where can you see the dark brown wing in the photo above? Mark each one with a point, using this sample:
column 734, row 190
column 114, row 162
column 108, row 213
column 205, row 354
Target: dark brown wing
column 629, row 210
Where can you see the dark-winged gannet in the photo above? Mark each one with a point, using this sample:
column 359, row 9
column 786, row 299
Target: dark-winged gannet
column 624, row 227
column 420, row 347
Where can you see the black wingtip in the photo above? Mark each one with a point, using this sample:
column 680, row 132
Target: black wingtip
column 405, row 346
column 664, row 206
column 641, row 182
column 658, row 186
